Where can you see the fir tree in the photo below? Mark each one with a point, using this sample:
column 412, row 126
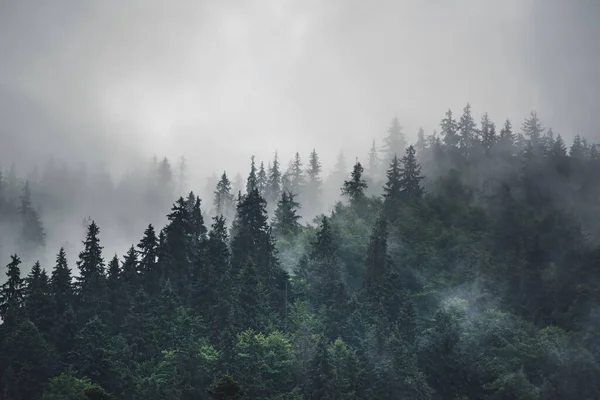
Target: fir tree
column 449, row 130
column 38, row 305
column 488, row 134
column 148, row 265
column 32, row 234
column 354, row 188
column 506, row 140
column 421, row 144
column 91, row 282
column 12, row 292
column 467, row 132
column 532, row 130
column 392, row 191
column 262, row 179
column 252, row 181
column 395, row 141
column 286, row 217
column 411, row 176
column 61, row 284
column 373, row 170
column 274, row 181
column 223, row 200
column 314, row 182
column 297, row 179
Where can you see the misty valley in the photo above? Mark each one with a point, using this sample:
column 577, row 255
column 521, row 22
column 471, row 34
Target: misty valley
column 465, row 265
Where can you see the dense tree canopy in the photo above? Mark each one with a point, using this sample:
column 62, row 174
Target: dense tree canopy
column 467, row 266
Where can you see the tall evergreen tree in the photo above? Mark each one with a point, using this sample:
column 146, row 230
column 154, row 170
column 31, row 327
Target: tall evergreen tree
column 411, row 175
column 91, row 282
column 449, row 130
column 395, row 141
column 533, row 130
column 262, row 180
column 373, row 169
column 467, row 132
column 297, row 178
column 252, row 181
column 148, row 265
column 61, row 284
column 354, row 188
column 314, row 183
column 274, row 182
column 392, row 191
column 32, row 234
column 421, row 144
column 488, row 134
column 38, row 302
column 286, row 217
column 223, row 200
column 12, row 292
column 506, row 140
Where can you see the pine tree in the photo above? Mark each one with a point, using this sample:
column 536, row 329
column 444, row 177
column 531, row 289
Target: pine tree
column 252, row 181
column 314, row 183
column 532, row 130
column 61, row 284
column 177, row 248
column 91, row 282
column 411, row 176
column 12, row 293
column 392, row 191
column 354, row 188
column 467, row 132
column 148, row 265
column 129, row 275
column 38, row 305
column 216, row 290
column 488, row 134
column 373, row 171
column 223, row 201
column 262, row 179
column 286, row 217
column 506, row 140
column 32, row 234
column 421, row 144
column 449, row 130
column 182, row 177
column 395, row 141
column 274, row 183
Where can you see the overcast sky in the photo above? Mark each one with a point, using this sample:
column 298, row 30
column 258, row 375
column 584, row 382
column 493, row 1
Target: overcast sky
column 221, row 80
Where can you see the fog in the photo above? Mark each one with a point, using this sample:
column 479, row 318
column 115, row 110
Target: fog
column 113, row 83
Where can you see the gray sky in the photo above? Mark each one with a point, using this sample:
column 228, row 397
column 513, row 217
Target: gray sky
column 220, row 80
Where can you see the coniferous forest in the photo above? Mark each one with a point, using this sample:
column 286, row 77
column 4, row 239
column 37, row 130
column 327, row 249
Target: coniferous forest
column 464, row 265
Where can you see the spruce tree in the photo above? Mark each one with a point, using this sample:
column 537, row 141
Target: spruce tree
column 467, row 132
column 506, row 139
column 488, row 134
column 12, row 293
column 449, row 131
column 411, row 177
column 274, row 182
column 314, row 183
column 297, row 178
column 252, row 181
column 392, row 191
column 354, row 188
column 395, row 141
column 262, row 180
column 148, row 265
column 286, row 217
column 91, row 282
column 61, row 284
column 38, row 302
column 129, row 274
column 532, row 130
column 32, row 233
column 421, row 144
column 223, row 200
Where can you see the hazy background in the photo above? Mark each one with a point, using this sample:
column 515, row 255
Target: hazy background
column 218, row 80
column 112, row 83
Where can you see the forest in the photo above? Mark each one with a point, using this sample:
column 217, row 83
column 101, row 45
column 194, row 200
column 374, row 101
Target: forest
column 464, row 265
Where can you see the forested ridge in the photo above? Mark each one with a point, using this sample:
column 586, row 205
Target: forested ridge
column 463, row 266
